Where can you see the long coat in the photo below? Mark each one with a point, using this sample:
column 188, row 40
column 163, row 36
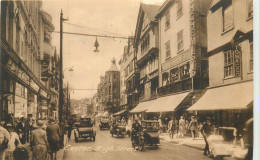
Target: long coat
column 39, row 144
column 53, row 136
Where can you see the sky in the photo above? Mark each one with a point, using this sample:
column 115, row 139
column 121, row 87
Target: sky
column 101, row 17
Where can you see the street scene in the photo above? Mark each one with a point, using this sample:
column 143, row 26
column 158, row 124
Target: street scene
column 127, row 79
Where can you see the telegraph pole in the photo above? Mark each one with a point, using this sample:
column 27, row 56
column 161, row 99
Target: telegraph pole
column 61, row 69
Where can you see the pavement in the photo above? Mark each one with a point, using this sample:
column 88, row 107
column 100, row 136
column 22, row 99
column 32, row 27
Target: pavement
column 197, row 143
column 60, row 153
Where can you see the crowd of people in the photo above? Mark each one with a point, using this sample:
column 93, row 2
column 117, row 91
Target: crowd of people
column 45, row 138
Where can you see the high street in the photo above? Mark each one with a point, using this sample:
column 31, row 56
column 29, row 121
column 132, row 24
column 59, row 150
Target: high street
column 111, row 148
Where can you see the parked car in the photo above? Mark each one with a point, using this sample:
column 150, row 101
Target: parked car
column 85, row 130
column 104, row 123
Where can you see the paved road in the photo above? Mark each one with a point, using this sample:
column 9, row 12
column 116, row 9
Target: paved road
column 111, row 148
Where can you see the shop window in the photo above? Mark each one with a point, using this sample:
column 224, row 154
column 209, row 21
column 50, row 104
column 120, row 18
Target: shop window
column 167, row 50
column 184, row 71
column 165, row 78
column 250, row 9
column 180, row 40
column 227, row 13
column 251, row 61
column 167, row 20
column 179, row 8
column 174, row 75
column 228, row 63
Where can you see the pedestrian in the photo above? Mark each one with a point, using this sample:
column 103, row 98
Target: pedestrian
column 160, row 126
column 193, row 126
column 53, row 137
column 207, row 130
column 27, row 128
column 22, row 130
column 186, row 127
column 39, row 143
column 181, row 127
column 171, row 127
column 4, row 140
column 70, row 128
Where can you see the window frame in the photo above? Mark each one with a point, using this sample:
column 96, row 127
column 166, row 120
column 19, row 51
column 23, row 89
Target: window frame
column 180, row 41
column 167, row 23
column 224, row 8
column 251, row 56
column 179, row 9
column 229, row 66
column 168, row 50
column 248, row 9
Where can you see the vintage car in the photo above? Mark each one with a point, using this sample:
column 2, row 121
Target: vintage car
column 104, row 123
column 118, row 130
column 149, row 136
column 84, row 130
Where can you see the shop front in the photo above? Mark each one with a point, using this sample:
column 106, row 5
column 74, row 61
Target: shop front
column 21, row 101
column 43, row 105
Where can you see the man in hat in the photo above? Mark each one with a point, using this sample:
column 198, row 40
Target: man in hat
column 207, row 129
column 39, row 143
column 193, row 126
column 22, row 130
column 181, row 127
column 136, row 127
column 53, row 136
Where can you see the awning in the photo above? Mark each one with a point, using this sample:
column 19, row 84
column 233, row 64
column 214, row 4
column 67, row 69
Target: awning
column 119, row 113
column 106, row 114
column 168, row 103
column 234, row 96
column 99, row 114
column 143, row 106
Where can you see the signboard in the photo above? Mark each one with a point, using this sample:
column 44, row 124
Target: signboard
column 193, row 38
column 34, row 86
column 17, row 71
column 237, row 61
column 43, row 93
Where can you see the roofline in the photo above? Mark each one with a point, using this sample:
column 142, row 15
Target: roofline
column 164, row 6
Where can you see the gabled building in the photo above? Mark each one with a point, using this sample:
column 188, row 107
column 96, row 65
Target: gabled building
column 146, row 43
column 229, row 96
column 183, row 66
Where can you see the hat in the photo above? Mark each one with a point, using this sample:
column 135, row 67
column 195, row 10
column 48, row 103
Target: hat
column 9, row 125
column 181, row 117
column 51, row 119
column 208, row 118
column 39, row 123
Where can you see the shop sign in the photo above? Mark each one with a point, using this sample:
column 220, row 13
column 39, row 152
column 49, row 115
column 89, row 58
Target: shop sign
column 237, row 62
column 43, row 93
column 17, row 71
column 193, row 38
column 34, row 86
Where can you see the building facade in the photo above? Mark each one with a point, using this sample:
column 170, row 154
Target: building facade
column 230, row 52
column 23, row 92
column 146, row 43
column 112, row 88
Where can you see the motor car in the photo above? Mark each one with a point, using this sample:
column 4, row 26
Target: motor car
column 84, row 130
column 118, row 130
column 150, row 133
column 104, row 123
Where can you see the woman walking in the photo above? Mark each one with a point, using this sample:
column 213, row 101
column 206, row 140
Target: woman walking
column 53, row 136
column 39, row 143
